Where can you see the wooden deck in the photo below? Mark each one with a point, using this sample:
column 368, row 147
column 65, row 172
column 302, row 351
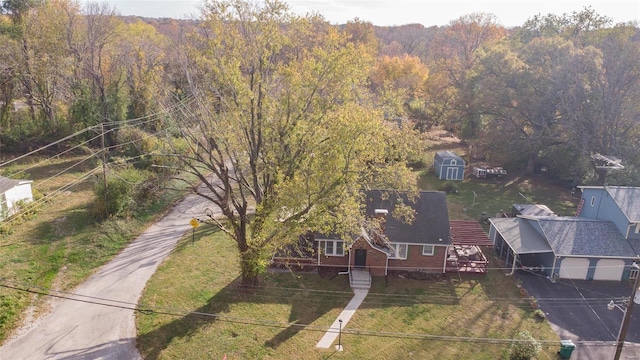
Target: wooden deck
column 466, row 259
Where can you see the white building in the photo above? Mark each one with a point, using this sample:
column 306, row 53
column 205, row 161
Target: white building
column 12, row 192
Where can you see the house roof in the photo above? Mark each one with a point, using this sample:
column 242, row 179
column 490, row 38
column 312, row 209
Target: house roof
column 533, row 209
column 521, row 235
column 628, row 199
column 584, row 237
column 7, row 184
column 431, row 220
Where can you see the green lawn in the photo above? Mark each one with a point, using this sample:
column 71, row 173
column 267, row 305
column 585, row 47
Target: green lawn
column 201, row 312
column 287, row 315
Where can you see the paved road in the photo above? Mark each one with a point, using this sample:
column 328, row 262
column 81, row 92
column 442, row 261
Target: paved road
column 577, row 311
column 83, row 330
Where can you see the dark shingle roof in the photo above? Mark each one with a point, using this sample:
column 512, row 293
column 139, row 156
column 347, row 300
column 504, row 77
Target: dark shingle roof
column 431, row 221
column 584, row 237
column 628, row 199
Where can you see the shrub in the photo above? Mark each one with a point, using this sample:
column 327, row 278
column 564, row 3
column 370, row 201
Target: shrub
column 539, row 314
column 525, row 348
column 120, row 194
column 449, row 187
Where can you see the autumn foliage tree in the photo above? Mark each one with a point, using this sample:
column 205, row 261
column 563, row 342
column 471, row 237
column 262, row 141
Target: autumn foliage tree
column 280, row 127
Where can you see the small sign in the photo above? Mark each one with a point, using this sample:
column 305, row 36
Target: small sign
column 194, row 223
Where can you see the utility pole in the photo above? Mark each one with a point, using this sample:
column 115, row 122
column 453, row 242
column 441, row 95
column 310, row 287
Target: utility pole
column 627, row 316
column 104, row 158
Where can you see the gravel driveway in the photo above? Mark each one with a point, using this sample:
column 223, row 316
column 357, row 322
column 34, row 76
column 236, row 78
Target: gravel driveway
column 98, row 322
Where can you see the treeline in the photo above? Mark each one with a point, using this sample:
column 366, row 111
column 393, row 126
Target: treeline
column 550, row 94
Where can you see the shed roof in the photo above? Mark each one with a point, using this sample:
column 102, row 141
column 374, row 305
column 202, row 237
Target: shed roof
column 521, row 235
column 585, row 237
column 7, row 184
column 448, row 154
column 431, row 221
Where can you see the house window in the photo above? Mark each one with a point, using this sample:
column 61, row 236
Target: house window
column 334, row 248
column 453, row 162
column 593, row 200
column 399, row 251
column 428, row 250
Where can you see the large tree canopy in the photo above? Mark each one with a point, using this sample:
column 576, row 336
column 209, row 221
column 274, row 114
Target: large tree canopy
column 280, row 127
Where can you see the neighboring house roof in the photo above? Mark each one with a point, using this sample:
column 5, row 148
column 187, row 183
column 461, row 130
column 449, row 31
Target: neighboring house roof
column 628, row 199
column 431, row 219
column 533, row 209
column 7, row 184
column 575, row 236
column 520, row 235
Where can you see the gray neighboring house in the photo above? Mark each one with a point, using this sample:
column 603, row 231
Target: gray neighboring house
column 600, row 243
column 11, row 193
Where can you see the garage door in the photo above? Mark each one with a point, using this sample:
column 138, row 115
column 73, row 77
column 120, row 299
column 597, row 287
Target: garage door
column 574, row 268
column 609, row 269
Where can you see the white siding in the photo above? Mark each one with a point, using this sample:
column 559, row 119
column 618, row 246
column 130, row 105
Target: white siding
column 18, row 193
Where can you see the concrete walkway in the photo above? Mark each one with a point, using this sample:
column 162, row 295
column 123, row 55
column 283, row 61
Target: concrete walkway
column 333, row 332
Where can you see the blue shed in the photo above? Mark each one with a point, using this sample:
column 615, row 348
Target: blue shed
column 448, row 165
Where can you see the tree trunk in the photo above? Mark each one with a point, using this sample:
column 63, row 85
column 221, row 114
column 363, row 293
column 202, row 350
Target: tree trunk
column 531, row 163
column 250, row 267
column 601, row 176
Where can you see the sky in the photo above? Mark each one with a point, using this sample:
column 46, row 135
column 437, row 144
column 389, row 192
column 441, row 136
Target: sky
column 401, row 12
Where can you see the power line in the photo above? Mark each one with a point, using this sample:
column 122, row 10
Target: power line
column 147, row 310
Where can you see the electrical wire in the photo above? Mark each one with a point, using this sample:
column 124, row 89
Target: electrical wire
column 148, row 310
column 77, row 133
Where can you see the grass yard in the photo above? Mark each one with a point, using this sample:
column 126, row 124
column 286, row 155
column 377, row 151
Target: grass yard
column 58, row 244
column 200, row 312
column 492, row 196
column 287, row 315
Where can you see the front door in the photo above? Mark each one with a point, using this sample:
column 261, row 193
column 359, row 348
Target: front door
column 452, row 173
column 360, row 258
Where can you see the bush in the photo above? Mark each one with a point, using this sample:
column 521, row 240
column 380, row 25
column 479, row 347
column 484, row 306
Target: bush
column 449, row 187
column 526, row 348
column 121, row 193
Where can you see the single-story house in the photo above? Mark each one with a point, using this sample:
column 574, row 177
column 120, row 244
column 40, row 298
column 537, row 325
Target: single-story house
column 448, row 165
column 393, row 243
column 11, row 193
column 429, row 243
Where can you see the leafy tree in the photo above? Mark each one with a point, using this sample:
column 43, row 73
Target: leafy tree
column 397, row 81
column 281, row 130
column 144, row 50
column 576, row 27
column 456, row 50
column 43, row 61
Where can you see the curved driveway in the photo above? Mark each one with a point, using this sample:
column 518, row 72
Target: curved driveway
column 87, row 329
